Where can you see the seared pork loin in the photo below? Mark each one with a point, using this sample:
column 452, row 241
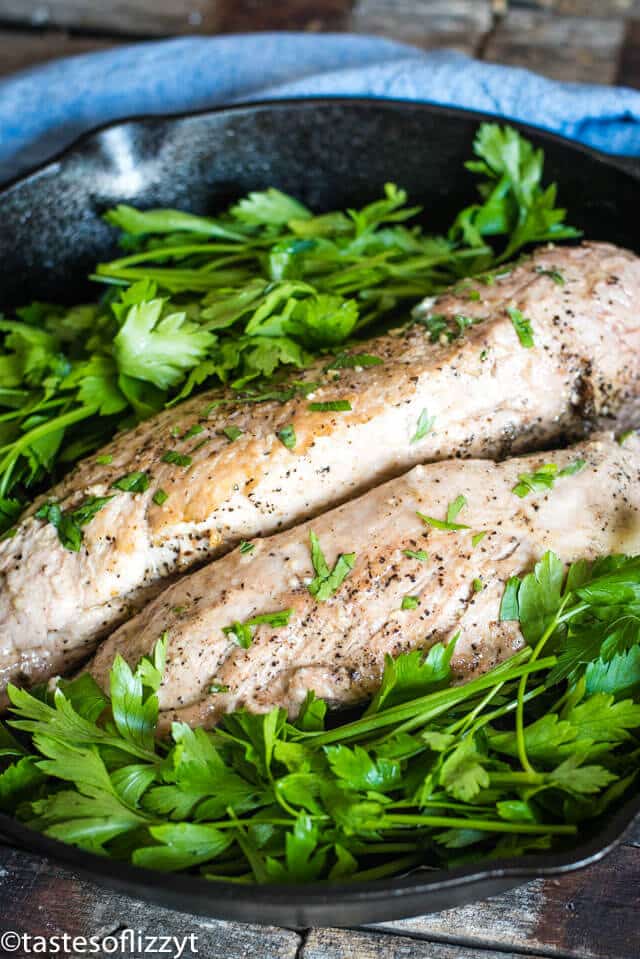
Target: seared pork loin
column 405, row 581
column 515, row 363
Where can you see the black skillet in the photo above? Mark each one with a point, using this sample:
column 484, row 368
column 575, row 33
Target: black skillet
column 330, row 153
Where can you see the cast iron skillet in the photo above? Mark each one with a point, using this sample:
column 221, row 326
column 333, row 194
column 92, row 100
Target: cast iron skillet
column 330, row 153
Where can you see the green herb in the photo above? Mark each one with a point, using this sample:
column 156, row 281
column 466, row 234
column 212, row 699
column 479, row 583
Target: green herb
column 330, row 406
column 522, row 326
column 350, row 360
column 246, row 547
column 68, row 523
column 528, row 756
column 105, row 460
column 232, row 433
column 509, row 610
column 554, row 275
column 477, row 538
column 160, row 497
column 444, row 328
column 478, row 585
column 193, row 431
column 136, row 482
column 327, row 581
column 242, row 633
column 545, row 477
column 440, row 524
column 454, row 508
column 424, row 426
column 623, row 437
column 178, row 459
column 419, row 554
column 410, row 602
column 287, row 436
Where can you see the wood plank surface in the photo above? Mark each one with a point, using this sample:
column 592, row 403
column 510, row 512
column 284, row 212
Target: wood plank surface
column 584, row 8
column 44, row 900
column 583, row 49
column 347, row 944
column 460, row 24
column 22, row 49
column 144, row 17
column 590, row 914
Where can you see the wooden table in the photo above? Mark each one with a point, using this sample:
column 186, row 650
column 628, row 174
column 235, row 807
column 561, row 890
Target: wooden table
column 592, row 914
column 589, row 40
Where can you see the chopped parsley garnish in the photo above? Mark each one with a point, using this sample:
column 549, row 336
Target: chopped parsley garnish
column 178, row 459
column 477, row 538
column 622, row 439
column 419, row 554
column 287, row 436
column 246, row 547
column 104, row 460
column 327, row 581
column 452, row 512
column 242, row 633
column 522, row 326
column 554, row 275
column 545, row 477
column 217, row 688
column 160, row 497
column 193, row 431
column 69, row 523
column 454, row 508
column 424, row 426
column 478, row 585
column 331, row 406
column 410, row 602
column 350, row 360
column 136, row 482
column 441, row 327
column 509, row 603
column 232, row 433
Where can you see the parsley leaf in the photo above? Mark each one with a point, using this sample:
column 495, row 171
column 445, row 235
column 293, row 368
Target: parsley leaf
column 424, row 426
column 287, row 436
column 68, row 523
column 136, row 482
column 330, row 406
column 242, row 633
column 522, row 326
column 326, row 581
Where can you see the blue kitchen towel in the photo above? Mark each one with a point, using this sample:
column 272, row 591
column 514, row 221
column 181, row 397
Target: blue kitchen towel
column 44, row 109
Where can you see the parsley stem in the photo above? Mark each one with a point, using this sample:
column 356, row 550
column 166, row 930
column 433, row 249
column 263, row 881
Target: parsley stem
column 23, row 442
column 421, row 710
column 387, row 868
column 520, row 738
column 482, row 825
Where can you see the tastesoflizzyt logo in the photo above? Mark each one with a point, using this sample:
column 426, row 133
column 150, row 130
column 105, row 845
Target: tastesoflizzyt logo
column 125, row 942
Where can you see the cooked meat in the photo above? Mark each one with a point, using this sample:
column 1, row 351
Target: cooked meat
column 482, row 394
column 337, row 647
